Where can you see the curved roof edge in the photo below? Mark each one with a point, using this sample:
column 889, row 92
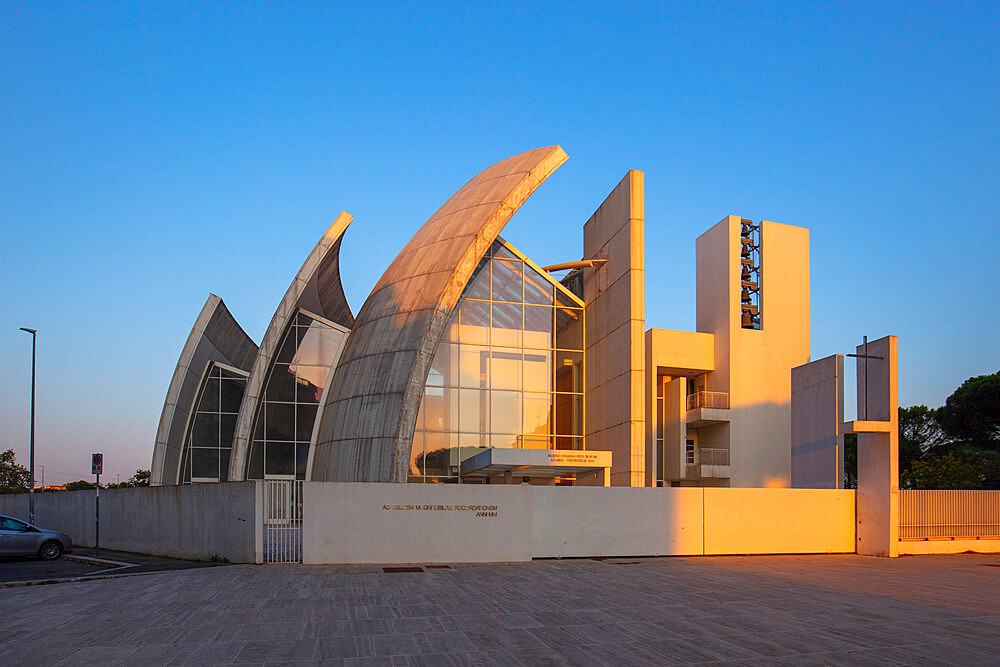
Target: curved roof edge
column 371, row 408
column 215, row 336
column 316, row 288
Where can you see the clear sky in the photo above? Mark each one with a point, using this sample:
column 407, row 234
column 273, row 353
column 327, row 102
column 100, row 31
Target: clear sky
column 152, row 154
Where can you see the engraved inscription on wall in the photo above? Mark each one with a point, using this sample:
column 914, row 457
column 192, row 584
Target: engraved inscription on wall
column 484, row 511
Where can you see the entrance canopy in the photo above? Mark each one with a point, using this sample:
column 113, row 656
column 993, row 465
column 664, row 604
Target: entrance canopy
column 543, row 463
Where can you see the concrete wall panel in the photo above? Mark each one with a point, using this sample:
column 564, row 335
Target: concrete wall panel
column 416, row 523
column 614, row 293
column 195, row 521
column 817, row 411
column 395, row 523
column 778, row 521
column 573, row 522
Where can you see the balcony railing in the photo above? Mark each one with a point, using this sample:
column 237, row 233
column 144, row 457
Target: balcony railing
column 928, row 515
column 708, row 399
column 712, row 457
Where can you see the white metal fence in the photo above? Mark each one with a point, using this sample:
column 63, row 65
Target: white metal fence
column 712, row 457
column 282, row 521
column 927, row 515
column 708, row 399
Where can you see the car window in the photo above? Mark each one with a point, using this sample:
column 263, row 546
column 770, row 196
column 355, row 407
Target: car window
column 11, row 524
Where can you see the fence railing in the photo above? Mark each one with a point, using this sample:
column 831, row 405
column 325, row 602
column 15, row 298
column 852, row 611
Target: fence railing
column 713, row 457
column 708, row 399
column 282, row 521
column 929, row 515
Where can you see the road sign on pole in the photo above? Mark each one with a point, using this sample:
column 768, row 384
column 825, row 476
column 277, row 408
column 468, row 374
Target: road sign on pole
column 96, row 467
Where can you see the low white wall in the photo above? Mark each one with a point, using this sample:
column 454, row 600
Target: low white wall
column 942, row 546
column 437, row 523
column 432, row 523
column 196, row 521
column 779, row 521
column 616, row 521
column 575, row 521
column 415, row 523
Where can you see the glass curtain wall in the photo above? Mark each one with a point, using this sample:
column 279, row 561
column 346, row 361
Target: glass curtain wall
column 283, row 423
column 508, row 371
column 208, row 442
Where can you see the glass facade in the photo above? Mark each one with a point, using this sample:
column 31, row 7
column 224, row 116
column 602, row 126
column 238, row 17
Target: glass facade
column 283, row 423
column 208, row 442
column 508, row 371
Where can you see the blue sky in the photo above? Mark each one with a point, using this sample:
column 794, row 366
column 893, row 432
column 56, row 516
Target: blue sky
column 151, row 154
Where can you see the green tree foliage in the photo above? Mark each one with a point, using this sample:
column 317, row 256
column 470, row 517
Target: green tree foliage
column 956, row 446
column 972, row 413
column 140, row 478
column 79, row 485
column 14, row 478
column 947, row 471
column 919, row 432
column 851, row 461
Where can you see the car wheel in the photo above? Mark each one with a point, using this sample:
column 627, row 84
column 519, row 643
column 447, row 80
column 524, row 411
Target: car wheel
column 50, row 550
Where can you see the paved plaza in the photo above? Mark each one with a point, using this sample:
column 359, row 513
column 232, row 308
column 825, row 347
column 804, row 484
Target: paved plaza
column 788, row 609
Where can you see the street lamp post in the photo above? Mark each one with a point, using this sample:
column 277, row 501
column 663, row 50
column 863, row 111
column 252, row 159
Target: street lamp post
column 31, row 448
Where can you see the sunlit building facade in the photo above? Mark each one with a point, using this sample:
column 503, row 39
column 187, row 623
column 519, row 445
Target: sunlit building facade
column 508, row 371
column 470, row 363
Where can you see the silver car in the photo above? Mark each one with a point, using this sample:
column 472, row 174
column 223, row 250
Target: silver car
column 18, row 538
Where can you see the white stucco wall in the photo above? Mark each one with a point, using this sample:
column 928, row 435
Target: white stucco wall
column 415, row 523
column 195, row 521
column 411, row 523
column 779, row 521
column 619, row 521
column 437, row 523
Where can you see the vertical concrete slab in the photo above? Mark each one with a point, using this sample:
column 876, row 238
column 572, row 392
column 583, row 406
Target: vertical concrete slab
column 754, row 366
column 654, row 457
column 878, row 452
column 817, row 411
column 614, row 293
column 674, row 427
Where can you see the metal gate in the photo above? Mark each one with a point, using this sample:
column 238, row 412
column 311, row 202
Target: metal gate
column 282, row 521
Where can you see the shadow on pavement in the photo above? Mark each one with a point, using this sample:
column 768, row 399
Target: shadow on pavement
column 83, row 562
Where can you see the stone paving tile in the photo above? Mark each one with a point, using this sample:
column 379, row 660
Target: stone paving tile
column 702, row 649
column 417, row 624
column 99, row 655
column 393, row 645
column 367, row 627
column 558, row 636
column 339, row 648
column 798, row 610
column 442, row 642
column 277, row 650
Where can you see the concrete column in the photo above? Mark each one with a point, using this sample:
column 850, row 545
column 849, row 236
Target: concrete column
column 674, row 428
column 614, row 293
column 878, row 450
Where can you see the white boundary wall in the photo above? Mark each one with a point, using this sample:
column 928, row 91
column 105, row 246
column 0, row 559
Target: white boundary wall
column 196, row 521
column 415, row 523
column 428, row 523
